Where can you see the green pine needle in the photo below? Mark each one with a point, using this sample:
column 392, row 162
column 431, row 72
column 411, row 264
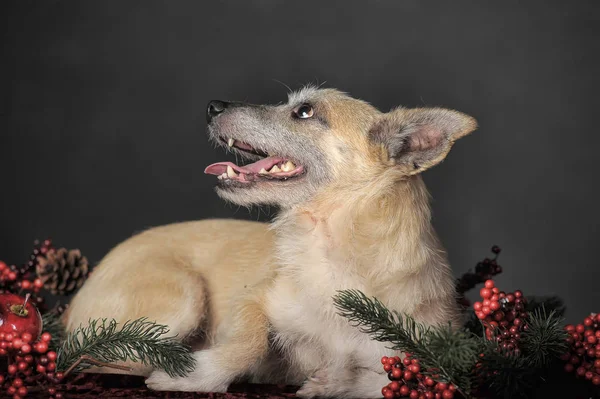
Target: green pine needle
column 137, row 341
column 546, row 338
column 450, row 353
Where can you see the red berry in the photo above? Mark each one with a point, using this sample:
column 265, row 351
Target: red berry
column 384, row 360
column 414, row 394
column 518, row 294
column 394, row 386
column 580, row 328
column 494, row 305
column 596, row 380
column 489, row 284
column 388, row 394
column 592, row 339
column 574, row 360
column 589, row 375
column 22, row 366
column 387, row 367
column 11, row 390
column 26, row 284
column 477, row 306
column 40, row 369
column 22, row 391
column 42, row 347
column 588, row 321
column 570, row 328
column 569, row 368
column 447, row 394
column 12, row 369
column 441, row 386
column 485, row 293
column 26, row 337
column 408, row 375
column 397, row 373
column 46, row 337
column 58, row 395
column 429, row 381
column 51, row 356
column 37, row 283
column 404, row 390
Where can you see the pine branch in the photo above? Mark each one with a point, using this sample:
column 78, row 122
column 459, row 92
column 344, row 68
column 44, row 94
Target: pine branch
column 137, row 341
column 511, row 376
column 545, row 340
column 450, row 353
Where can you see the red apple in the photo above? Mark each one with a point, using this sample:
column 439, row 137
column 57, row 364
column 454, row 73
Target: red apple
column 18, row 316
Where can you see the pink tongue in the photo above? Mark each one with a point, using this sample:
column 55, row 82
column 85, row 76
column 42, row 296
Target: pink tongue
column 221, row 167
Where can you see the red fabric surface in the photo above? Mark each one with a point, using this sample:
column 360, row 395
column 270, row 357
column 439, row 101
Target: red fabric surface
column 117, row 386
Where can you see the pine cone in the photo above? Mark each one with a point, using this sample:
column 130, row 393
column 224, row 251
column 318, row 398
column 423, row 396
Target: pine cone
column 62, row 271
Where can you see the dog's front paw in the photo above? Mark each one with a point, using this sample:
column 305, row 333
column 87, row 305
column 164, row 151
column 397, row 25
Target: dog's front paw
column 317, row 385
column 206, row 377
column 161, row 381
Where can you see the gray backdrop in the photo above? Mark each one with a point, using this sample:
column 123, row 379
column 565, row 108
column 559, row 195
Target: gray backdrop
column 102, row 116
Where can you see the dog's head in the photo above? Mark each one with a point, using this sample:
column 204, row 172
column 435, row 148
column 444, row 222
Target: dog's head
column 323, row 138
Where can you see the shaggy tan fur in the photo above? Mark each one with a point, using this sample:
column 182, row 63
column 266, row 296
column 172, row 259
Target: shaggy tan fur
column 256, row 300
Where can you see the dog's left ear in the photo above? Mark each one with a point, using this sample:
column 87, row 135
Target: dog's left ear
column 422, row 137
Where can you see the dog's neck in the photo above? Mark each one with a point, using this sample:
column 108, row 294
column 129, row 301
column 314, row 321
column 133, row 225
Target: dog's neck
column 371, row 231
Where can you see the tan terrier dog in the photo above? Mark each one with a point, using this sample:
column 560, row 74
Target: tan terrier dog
column 256, row 300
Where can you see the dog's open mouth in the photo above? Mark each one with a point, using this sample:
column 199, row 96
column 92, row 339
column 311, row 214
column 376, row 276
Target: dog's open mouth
column 272, row 168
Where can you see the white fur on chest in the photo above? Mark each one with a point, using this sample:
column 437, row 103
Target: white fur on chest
column 301, row 309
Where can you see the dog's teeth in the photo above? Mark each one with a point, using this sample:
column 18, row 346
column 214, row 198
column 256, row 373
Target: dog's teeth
column 275, row 169
column 288, row 166
column 220, row 177
column 223, row 176
column 230, row 142
column 263, row 171
column 231, row 172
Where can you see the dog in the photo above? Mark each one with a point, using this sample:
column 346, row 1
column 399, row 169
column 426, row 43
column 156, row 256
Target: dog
column 255, row 300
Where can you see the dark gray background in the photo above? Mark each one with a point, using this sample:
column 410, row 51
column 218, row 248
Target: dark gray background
column 102, row 116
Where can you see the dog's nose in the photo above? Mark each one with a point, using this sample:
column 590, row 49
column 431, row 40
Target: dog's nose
column 214, row 108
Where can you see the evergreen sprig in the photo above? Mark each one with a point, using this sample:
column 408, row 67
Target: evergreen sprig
column 545, row 339
column 450, row 352
column 138, row 341
column 453, row 353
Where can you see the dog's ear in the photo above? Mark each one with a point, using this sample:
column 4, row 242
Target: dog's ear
column 420, row 138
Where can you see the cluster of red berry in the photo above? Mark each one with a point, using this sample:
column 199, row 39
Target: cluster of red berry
column 584, row 353
column 26, row 360
column 503, row 316
column 409, row 382
column 29, row 363
column 24, row 279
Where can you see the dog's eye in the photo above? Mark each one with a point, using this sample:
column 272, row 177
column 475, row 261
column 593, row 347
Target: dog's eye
column 303, row 111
